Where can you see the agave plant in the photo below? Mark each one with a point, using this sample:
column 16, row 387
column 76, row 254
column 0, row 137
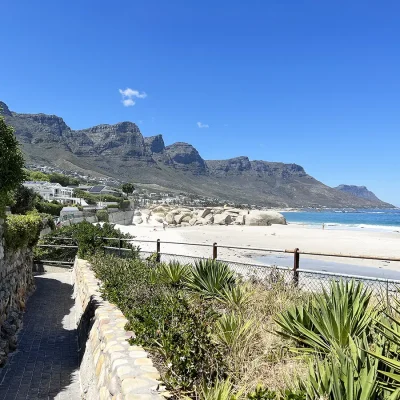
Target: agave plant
column 330, row 319
column 389, row 371
column 221, row 390
column 233, row 331
column 235, row 296
column 346, row 374
column 210, row 278
column 173, row 273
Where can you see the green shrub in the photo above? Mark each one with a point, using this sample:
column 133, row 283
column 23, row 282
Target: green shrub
column 22, row 230
column 88, row 237
column 173, row 273
column 12, row 172
column 210, row 277
column 330, row 319
column 52, row 208
column 112, row 206
column 164, row 320
column 102, row 215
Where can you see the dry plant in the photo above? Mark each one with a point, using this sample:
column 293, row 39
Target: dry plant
column 263, row 356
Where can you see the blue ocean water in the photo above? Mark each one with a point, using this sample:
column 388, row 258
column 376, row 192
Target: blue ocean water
column 369, row 219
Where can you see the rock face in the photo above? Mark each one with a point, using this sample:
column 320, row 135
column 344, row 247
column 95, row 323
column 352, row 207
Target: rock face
column 121, row 151
column 362, row 192
column 154, row 144
column 264, row 218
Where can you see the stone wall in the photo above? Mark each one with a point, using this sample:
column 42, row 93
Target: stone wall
column 110, row 367
column 16, row 283
column 121, row 217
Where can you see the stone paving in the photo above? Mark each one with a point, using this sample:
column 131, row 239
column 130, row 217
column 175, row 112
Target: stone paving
column 46, row 362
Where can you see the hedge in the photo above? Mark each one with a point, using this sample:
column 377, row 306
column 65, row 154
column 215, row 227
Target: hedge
column 22, row 230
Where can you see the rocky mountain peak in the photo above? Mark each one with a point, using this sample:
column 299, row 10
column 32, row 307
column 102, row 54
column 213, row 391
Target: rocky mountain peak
column 4, row 110
column 185, row 156
column 154, row 144
column 359, row 191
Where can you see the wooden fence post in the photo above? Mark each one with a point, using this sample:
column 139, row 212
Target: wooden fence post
column 296, row 265
column 158, row 259
column 215, row 251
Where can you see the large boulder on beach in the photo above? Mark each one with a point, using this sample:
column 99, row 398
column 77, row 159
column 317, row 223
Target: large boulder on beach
column 161, row 209
column 170, row 218
column 222, row 219
column 264, row 218
column 204, row 213
column 209, row 218
column 137, row 220
column 240, row 220
column 192, row 221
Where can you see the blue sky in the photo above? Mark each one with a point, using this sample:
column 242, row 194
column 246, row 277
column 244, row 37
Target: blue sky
column 310, row 82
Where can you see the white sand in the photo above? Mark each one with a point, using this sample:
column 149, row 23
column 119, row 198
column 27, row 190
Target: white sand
column 355, row 242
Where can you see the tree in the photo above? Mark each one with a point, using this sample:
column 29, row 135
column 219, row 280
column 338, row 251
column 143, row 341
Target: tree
column 37, row 176
column 25, row 200
column 12, row 172
column 128, row 188
column 63, row 180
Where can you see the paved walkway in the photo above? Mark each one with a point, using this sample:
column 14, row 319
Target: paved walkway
column 45, row 365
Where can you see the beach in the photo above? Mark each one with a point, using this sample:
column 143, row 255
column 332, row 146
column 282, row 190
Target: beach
column 337, row 240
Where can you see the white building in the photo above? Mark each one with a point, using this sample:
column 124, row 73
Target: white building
column 54, row 191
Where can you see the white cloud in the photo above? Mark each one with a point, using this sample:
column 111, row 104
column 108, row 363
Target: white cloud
column 128, row 96
column 201, row 125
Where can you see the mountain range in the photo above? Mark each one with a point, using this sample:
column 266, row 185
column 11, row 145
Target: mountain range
column 121, row 151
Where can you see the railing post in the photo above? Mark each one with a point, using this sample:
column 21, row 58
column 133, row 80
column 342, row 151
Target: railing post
column 158, row 259
column 119, row 247
column 296, row 265
column 215, row 251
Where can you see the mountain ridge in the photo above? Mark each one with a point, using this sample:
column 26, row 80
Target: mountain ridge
column 121, row 151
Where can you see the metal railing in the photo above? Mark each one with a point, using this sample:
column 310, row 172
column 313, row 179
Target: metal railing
column 305, row 279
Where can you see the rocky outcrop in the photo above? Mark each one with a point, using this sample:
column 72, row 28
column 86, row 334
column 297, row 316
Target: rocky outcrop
column 154, row 144
column 263, row 218
column 361, row 192
column 180, row 216
column 184, row 156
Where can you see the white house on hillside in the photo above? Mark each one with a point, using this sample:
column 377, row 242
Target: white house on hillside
column 54, row 191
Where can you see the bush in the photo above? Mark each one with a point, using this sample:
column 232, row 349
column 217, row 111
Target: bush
column 25, row 200
column 12, row 172
column 53, row 208
column 22, row 230
column 102, row 215
column 88, row 238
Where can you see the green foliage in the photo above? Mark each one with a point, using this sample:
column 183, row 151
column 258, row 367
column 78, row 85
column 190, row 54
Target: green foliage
column 221, row 390
column 112, row 206
column 236, row 296
column 128, row 188
column 345, row 374
column 24, row 200
column 22, row 230
column 124, row 204
column 261, row 393
column 53, row 208
column 173, row 273
column 88, row 237
column 329, row 320
column 36, row 176
column 233, row 331
column 12, row 172
column 63, row 180
column 210, row 277
column 164, row 320
column 102, row 215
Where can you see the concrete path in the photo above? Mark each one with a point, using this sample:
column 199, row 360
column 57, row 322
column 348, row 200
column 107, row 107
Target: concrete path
column 46, row 362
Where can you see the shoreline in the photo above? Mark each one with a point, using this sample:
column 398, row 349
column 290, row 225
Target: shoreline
column 345, row 241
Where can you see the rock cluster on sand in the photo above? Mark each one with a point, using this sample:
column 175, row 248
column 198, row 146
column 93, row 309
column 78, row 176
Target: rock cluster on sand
column 187, row 216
